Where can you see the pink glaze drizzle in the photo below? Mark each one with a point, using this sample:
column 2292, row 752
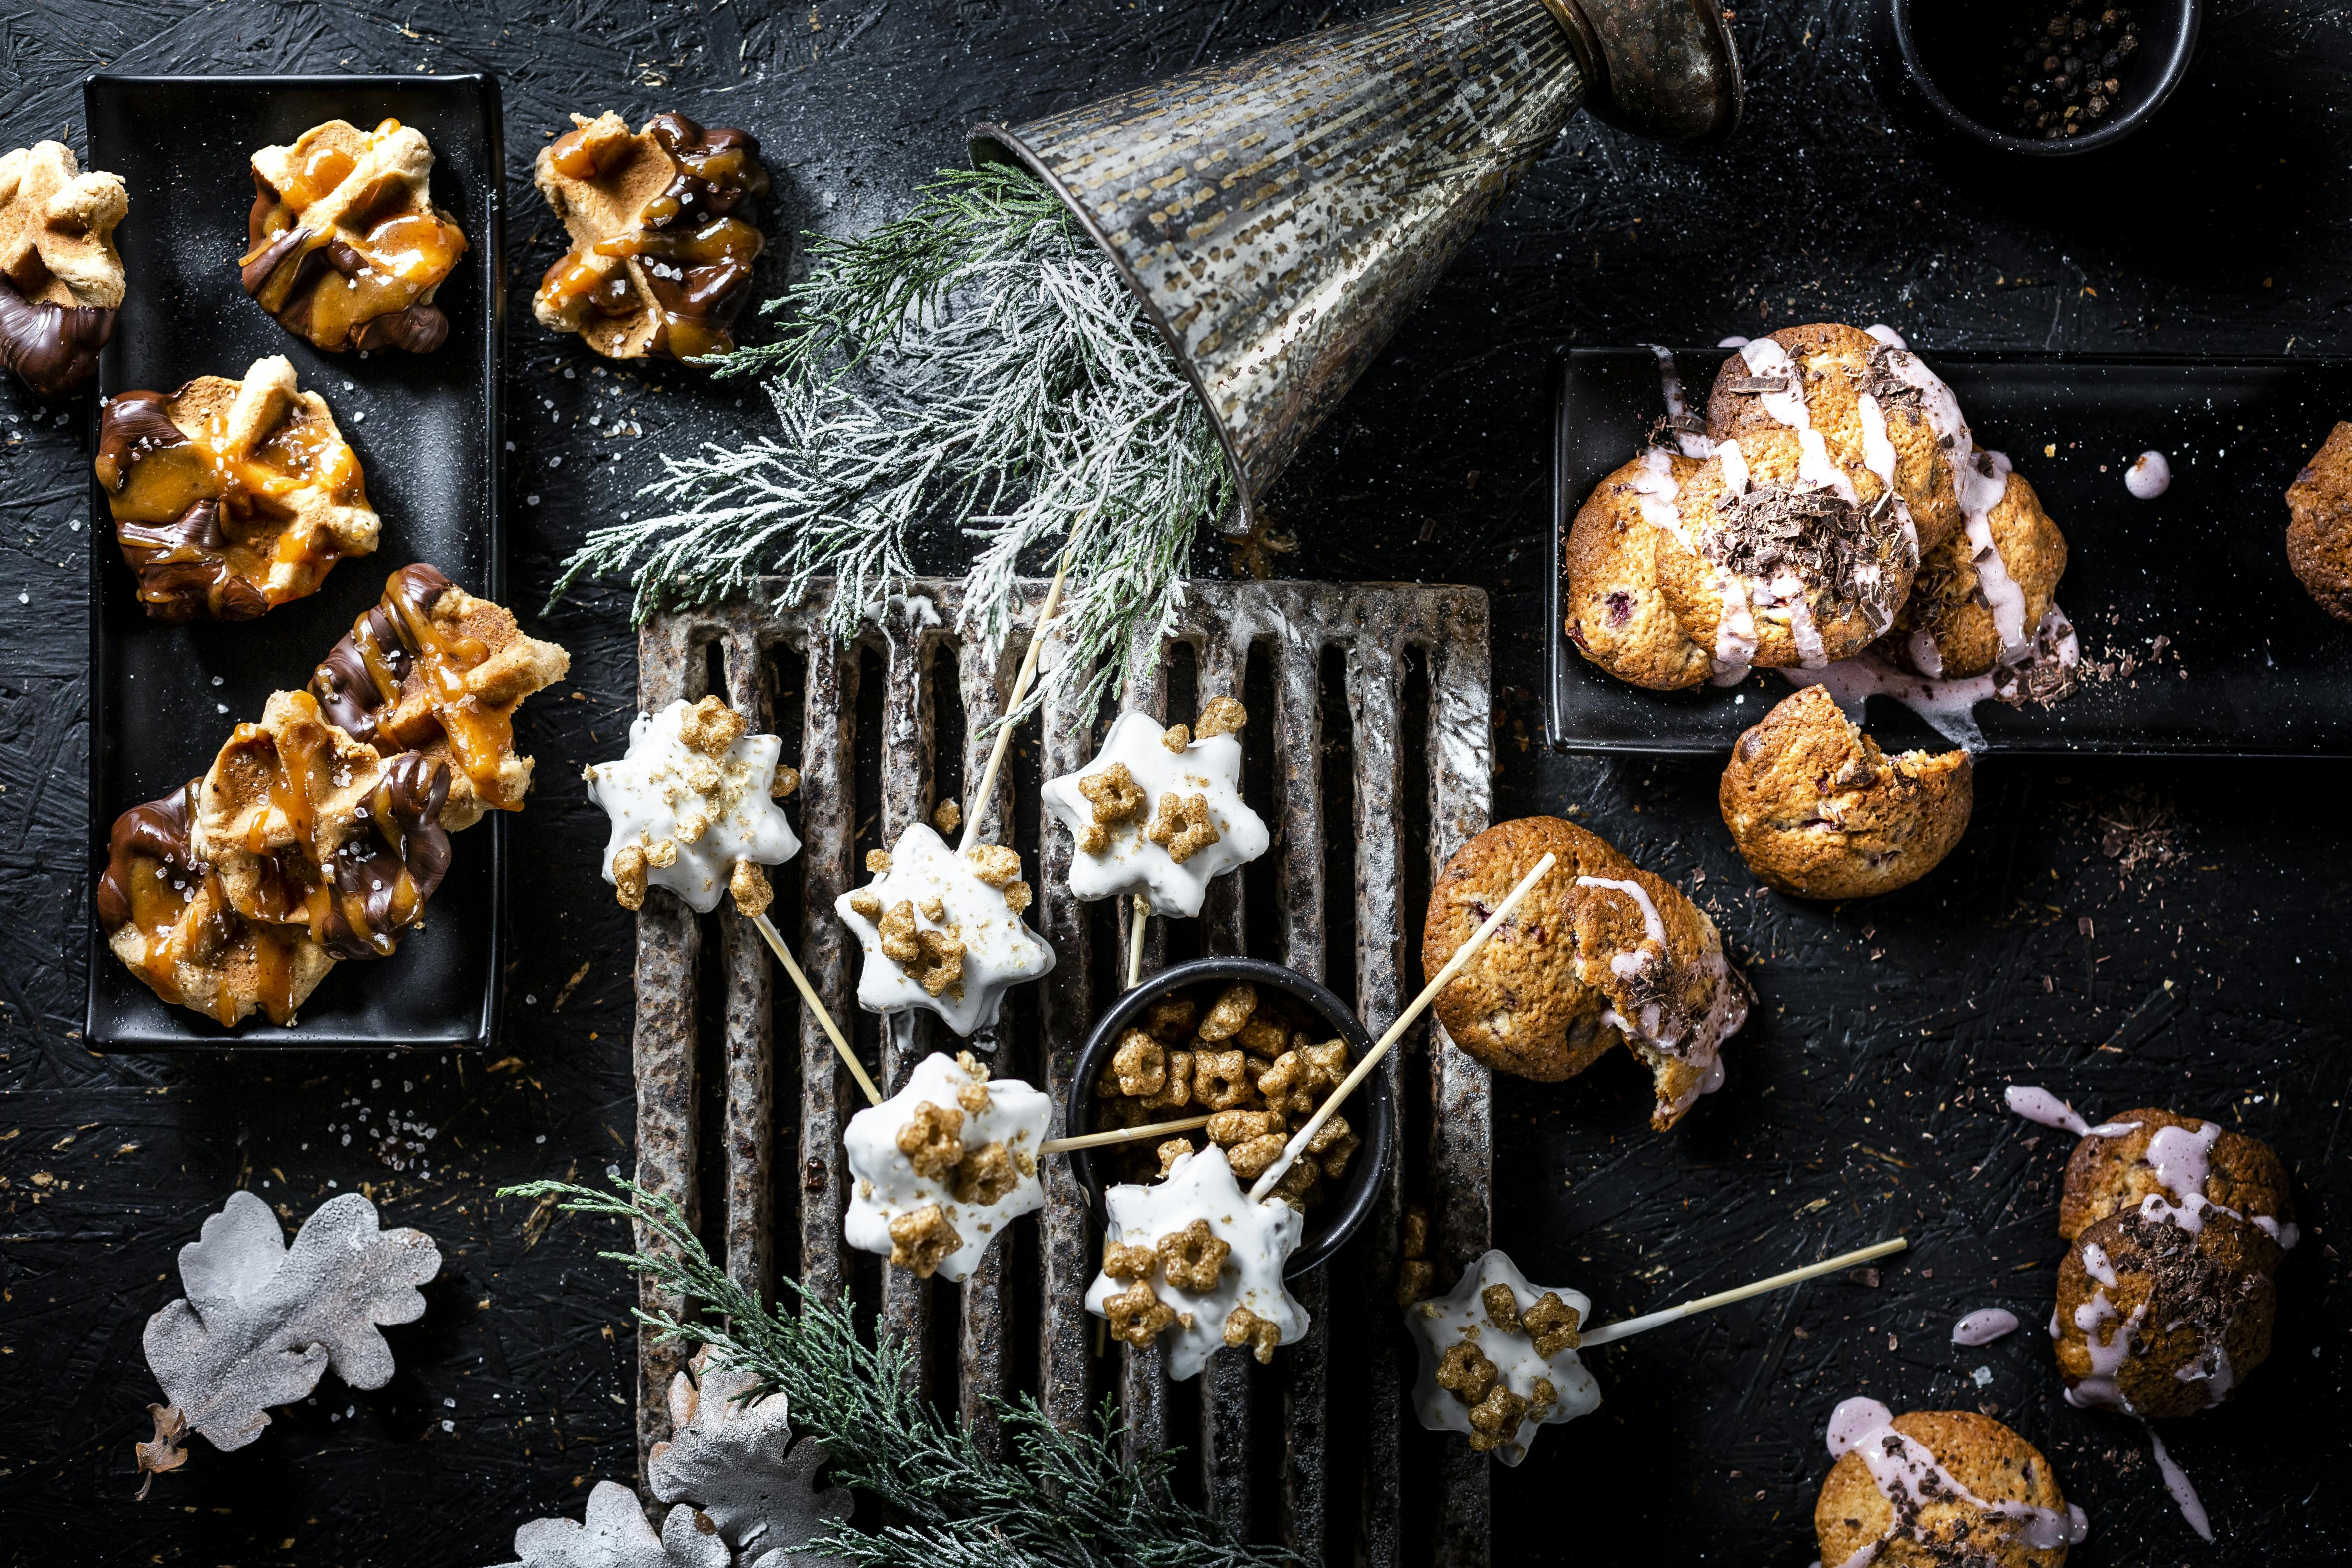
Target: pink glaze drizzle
column 1906, row 1470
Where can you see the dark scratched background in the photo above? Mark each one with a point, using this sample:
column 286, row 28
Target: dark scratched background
column 2126, row 933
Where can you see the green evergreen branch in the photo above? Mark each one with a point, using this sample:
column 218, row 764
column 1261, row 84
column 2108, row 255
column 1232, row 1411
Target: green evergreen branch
column 1055, row 1499
column 976, row 365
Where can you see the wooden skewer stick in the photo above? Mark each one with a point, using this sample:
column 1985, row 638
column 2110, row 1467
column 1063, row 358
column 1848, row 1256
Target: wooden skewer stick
column 1142, row 913
column 1461, row 955
column 808, row 994
column 980, row 803
column 1626, row 1327
column 1121, row 1135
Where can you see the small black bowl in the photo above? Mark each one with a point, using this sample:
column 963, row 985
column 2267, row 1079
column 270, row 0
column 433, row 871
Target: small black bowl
column 1945, row 56
column 1338, row 1217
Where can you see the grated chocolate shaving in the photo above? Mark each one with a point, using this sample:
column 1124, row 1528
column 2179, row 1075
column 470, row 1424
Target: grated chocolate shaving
column 1879, row 380
column 1813, row 534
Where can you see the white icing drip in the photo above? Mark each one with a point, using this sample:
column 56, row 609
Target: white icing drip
column 1877, row 451
column 1652, row 923
column 1767, row 358
column 1814, row 466
column 1735, row 467
column 1734, row 630
column 1983, row 1326
column 1702, row 1045
column 1886, row 335
column 2149, row 475
column 1949, row 706
column 1925, row 655
column 1730, row 343
column 1263, row 1235
column 2002, row 594
column 1656, row 490
column 1937, row 402
column 2099, row 1391
column 2097, row 1264
column 663, row 788
column 1459, row 1316
column 1909, row 1476
column 998, row 948
column 1132, row 863
column 1811, row 653
column 1670, row 383
column 2041, row 1105
column 884, row 1185
column 2176, row 1482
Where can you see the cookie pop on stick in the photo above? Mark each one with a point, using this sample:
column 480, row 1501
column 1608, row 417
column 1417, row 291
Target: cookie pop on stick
column 943, row 1165
column 694, row 810
column 1157, row 814
column 942, row 929
column 1499, row 1356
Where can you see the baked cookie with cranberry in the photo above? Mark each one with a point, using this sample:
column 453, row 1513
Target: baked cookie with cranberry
column 1943, row 1488
column 2319, row 524
column 2158, row 1317
column 1782, row 555
column 1617, row 616
column 1600, row 953
column 1816, row 809
column 1870, row 401
column 2106, row 1176
column 1980, row 596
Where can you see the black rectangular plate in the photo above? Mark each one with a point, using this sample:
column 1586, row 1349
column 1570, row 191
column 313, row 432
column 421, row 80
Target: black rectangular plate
column 2267, row 672
column 426, row 429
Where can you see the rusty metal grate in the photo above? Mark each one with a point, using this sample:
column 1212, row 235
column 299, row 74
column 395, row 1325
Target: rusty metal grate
column 1320, row 1450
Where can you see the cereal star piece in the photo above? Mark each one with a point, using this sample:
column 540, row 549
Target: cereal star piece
column 1140, row 1062
column 346, row 246
column 662, row 235
column 956, row 963
column 923, row 1240
column 1203, row 1231
column 1498, row 1358
column 1246, row 1328
column 694, row 781
column 1231, row 1010
column 230, row 498
column 1107, row 807
column 60, row 276
column 937, row 1149
column 1136, row 1315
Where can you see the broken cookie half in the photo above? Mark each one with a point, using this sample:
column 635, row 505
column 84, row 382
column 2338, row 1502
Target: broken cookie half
column 345, row 247
column 60, row 276
column 230, row 498
column 662, row 237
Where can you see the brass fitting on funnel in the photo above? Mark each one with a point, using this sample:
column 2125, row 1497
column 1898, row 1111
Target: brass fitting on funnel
column 1280, row 217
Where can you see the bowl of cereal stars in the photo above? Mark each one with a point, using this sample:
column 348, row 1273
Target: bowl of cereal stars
column 1256, row 1049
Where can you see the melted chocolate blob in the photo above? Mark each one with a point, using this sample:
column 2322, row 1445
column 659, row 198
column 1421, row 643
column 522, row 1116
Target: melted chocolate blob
column 158, row 830
column 53, row 349
column 362, row 674
column 383, row 878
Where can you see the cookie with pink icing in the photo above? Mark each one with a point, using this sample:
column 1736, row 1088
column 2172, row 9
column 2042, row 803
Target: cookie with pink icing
column 1867, row 396
column 1980, row 596
column 2184, row 1161
column 1930, row 1489
column 1782, row 555
column 1617, row 614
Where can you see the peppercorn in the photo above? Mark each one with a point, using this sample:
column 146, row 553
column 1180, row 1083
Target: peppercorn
column 2066, row 66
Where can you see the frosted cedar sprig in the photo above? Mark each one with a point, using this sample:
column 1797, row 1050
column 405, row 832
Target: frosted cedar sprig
column 1054, row 1498
column 977, row 366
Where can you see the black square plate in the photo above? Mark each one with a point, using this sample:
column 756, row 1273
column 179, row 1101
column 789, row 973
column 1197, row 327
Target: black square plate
column 427, row 427
column 2252, row 666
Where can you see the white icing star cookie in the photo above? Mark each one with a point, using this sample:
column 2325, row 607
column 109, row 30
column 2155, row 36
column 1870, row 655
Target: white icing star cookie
column 1190, row 1256
column 1158, row 812
column 1483, row 1372
column 693, row 808
column 943, row 930
column 944, row 1164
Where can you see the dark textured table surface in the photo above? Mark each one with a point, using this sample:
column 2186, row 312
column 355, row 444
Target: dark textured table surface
column 2125, row 934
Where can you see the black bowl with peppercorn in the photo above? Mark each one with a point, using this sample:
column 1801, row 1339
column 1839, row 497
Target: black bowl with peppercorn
column 1201, row 1038
column 2042, row 79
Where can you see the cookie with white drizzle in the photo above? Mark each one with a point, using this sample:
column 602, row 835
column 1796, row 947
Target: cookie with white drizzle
column 1982, row 595
column 1617, row 616
column 1782, row 553
column 1498, row 1359
column 1932, row 1487
column 2167, row 1297
column 694, row 808
column 1159, row 812
column 1191, row 1257
column 942, row 930
column 1601, row 953
column 941, row 1167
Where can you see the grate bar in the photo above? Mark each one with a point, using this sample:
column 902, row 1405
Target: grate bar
column 1330, row 1490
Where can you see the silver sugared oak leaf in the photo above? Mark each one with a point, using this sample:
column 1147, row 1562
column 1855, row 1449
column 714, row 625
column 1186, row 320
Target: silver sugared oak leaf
column 616, row 1535
column 734, row 1458
column 260, row 1324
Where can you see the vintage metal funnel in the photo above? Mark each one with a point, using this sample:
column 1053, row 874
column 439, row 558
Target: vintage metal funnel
column 1281, row 215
